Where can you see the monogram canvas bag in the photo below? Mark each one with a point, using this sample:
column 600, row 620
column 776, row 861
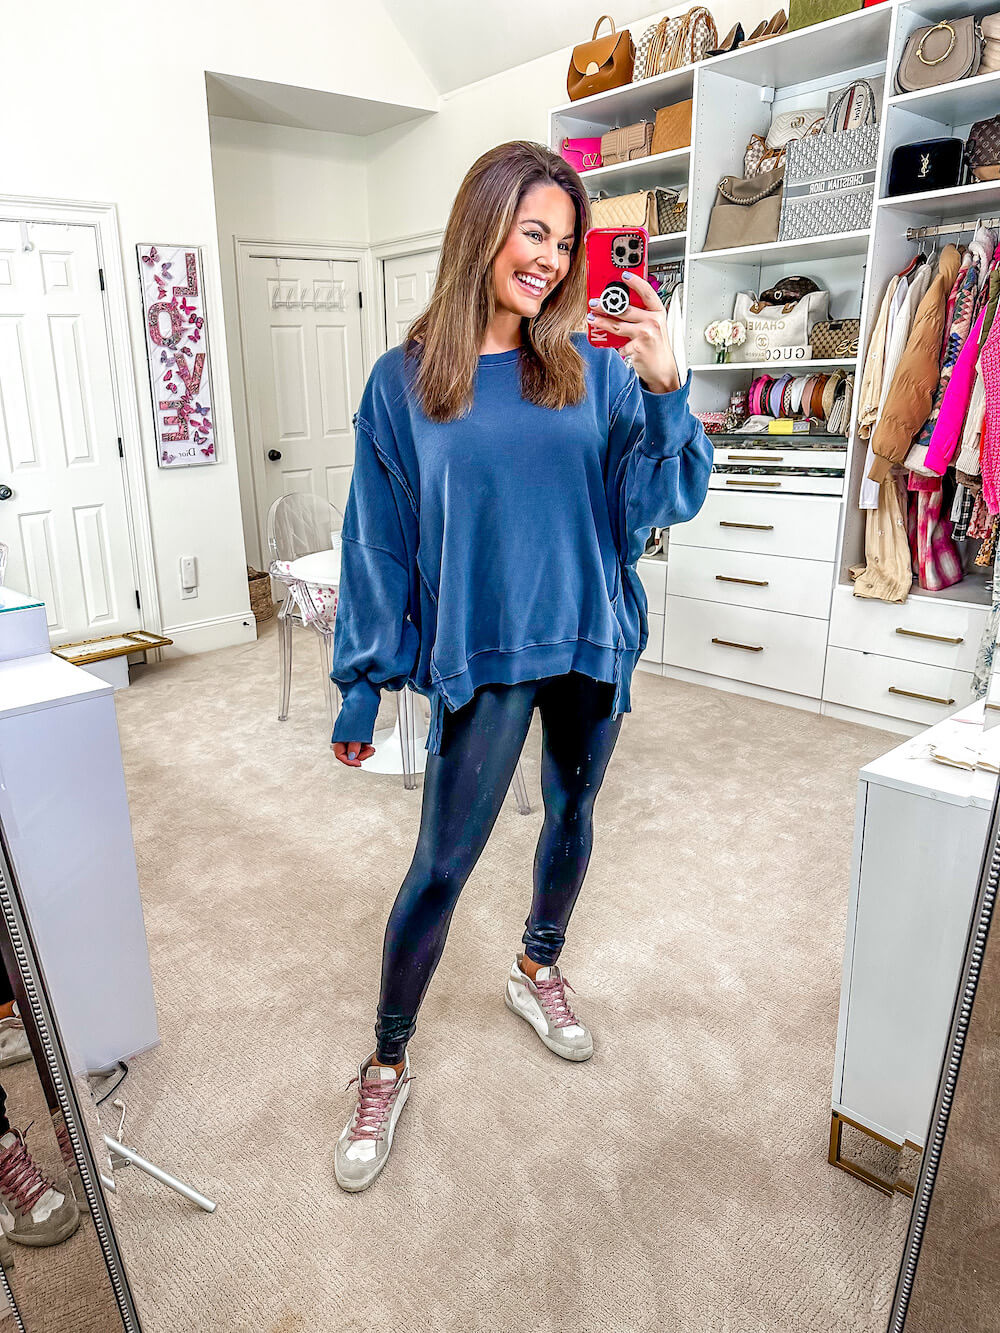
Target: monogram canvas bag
column 674, row 42
column 770, row 326
column 832, row 339
column 830, row 177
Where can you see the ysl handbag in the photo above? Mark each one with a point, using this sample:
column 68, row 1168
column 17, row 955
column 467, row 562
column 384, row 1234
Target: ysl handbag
column 830, row 176
column 583, row 154
column 600, row 64
column 942, row 53
column 804, row 13
column 771, row 326
column 626, row 144
column 746, row 210
column 929, row 164
column 626, row 210
column 983, row 149
column 831, row 339
column 673, row 127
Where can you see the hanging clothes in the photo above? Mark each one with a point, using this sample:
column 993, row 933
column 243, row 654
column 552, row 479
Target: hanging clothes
column 954, row 405
column 990, row 452
column 935, row 556
column 888, row 572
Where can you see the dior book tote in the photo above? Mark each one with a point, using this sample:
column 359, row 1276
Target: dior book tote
column 830, row 176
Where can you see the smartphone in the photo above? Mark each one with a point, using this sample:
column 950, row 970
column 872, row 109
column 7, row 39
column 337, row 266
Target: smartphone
column 610, row 252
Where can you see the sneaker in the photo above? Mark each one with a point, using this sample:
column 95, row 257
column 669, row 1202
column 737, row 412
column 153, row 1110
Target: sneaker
column 32, row 1211
column 14, row 1046
column 363, row 1147
column 544, row 1005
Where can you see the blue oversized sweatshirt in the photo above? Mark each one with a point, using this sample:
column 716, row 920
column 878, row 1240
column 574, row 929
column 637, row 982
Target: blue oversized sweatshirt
column 501, row 547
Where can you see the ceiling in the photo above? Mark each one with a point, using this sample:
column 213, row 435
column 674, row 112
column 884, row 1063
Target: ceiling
column 458, row 42
column 303, row 108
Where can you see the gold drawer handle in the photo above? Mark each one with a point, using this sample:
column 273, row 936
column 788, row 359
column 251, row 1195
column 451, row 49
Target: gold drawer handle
column 931, row 699
column 995, row 707
column 755, row 458
column 753, row 583
column 751, row 527
column 747, row 647
column 937, row 638
column 747, row 481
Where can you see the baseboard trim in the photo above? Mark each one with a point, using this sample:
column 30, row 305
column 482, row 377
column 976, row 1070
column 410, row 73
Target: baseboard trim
column 730, row 686
column 204, row 636
column 899, row 725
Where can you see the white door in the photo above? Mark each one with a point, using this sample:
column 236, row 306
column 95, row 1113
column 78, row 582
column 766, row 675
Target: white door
column 305, row 376
column 409, row 282
column 66, row 520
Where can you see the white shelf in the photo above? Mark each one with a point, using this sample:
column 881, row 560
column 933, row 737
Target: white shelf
column 783, row 366
column 810, row 54
column 669, row 244
column 958, row 103
column 810, row 247
column 640, row 174
column 620, row 106
column 965, row 201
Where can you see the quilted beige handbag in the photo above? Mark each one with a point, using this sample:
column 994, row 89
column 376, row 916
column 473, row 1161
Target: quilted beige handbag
column 626, row 210
column 626, row 144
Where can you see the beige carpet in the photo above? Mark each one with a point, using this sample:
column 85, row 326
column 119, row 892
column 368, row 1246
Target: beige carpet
column 677, row 1181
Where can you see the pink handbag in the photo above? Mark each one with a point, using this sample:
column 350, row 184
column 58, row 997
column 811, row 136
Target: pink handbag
column 583, row 154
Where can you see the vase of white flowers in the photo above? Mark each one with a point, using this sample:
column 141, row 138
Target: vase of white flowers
column 723, row 334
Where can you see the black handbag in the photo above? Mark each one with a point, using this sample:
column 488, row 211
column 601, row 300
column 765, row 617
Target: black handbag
column 929, row 164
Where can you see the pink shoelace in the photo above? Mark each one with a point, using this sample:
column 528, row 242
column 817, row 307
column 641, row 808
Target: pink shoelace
column 552, row 994
column 375, row 1097
column 21, row 1182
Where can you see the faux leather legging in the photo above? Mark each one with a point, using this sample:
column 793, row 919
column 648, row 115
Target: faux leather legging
column 464, row 790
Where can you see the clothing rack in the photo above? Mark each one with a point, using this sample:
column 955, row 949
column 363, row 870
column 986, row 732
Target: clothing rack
column 916, row 233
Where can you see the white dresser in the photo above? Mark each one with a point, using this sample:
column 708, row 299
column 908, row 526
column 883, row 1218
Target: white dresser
column 920, row 832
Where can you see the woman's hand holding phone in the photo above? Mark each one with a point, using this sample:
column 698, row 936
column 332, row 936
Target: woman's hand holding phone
column 645, row 326
column 352, row 753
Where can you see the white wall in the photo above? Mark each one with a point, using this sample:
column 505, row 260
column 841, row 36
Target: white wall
column 107, row 101
column 273, row 183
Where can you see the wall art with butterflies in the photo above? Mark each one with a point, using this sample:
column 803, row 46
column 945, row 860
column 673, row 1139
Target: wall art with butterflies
column 173, row 306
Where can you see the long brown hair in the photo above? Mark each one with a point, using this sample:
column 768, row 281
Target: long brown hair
column 451, row 329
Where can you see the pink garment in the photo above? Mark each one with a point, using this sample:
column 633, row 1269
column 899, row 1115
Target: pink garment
column 935, row 556
column 955, row 403
column 989, row 360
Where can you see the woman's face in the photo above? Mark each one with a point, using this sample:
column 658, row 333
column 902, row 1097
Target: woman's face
column 536, row 254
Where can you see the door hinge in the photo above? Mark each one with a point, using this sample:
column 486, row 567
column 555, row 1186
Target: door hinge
column 138, row 604
column 121, row 451
column 100, row 277
column 361, row 300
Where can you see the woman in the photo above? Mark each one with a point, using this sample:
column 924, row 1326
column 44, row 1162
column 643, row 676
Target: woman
column 506, row 477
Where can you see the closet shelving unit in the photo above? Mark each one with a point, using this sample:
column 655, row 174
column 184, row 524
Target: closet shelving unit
column 754, row 594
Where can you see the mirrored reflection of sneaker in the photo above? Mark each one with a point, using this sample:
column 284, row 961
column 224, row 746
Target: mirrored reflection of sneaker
column 14, row 1046
column 32, row 1211
column 363, row 1147
column 544, row 1005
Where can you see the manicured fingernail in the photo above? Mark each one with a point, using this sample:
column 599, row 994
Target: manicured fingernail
column 591, row 315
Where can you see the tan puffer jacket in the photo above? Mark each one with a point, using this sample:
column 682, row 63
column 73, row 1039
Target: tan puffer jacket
column 908, row 402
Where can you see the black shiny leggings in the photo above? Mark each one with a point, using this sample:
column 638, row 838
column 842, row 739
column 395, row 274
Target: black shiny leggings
column 464, row 791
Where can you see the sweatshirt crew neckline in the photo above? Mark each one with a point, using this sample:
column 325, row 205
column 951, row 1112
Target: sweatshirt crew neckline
column 499, row 358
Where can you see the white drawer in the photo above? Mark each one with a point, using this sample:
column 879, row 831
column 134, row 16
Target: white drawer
column 653, row 651
column 781, row 457
column 720, row 481
column 772, row 524
column 763, row 647
column 652, row 571
column 742, row 578
column 919, row 630
column 889, row 685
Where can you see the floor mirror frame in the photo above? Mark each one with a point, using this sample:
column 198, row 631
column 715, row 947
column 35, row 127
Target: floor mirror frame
column 982, row 915
column 20, row 956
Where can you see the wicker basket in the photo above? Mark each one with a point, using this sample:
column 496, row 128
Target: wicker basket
column 261, row 603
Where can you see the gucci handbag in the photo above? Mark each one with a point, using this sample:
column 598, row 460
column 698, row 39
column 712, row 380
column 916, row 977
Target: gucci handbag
column 602, row 63
column 626, row 144
column 833, row 339
column 983, row 149
column 942, row 53
column 746, row 210
column 626, row 210
column 671, row 210
column 830, row 176
column 770, row 326
column 929, row 164
column 583, row 154
column 673, row 127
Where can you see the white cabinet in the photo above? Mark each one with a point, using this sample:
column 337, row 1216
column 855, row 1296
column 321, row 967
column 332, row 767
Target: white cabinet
column 919, row 836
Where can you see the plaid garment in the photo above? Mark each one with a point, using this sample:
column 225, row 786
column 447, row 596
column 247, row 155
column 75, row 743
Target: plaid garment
column 961, row 513
column 936, row 561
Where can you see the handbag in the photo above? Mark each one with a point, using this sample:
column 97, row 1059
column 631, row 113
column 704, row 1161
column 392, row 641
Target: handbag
column 767, row 152
column 804, row 13
column 746, row 210
column 626, row 210
column 626, row 144
column 792, row 288
column 583, row 154
column 600, row 64
column 671, row 210
column 830, row 177
column 833, row 339
column 941, row 53
column 983, row 149
column 929, row 164
column 673, row 42
column 989, row 26
column 673, row 127
column 771, row 326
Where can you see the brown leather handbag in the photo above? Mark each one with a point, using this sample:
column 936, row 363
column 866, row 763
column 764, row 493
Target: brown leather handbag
column 673, row 127
column 602, row 63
